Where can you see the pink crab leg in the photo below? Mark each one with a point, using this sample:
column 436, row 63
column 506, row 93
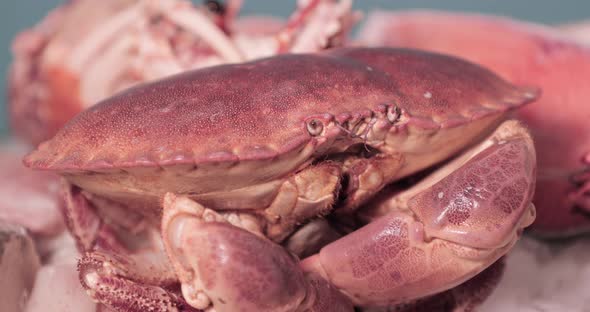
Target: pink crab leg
column 88, row 227
column 112, row 274
column 232, row 10
column 463, row 298
column 192, row 20
column 199, row 24
column 457, row 222
column 130, row 283
column 314, row 23
column 155, row 57
column 80, row 217
column 96, row 83
column 286, row 35
column 101, row 35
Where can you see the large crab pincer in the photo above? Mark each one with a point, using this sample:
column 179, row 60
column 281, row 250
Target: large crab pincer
column 245, row 158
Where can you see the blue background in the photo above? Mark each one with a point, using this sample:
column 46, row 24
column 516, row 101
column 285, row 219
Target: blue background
column 16, row 15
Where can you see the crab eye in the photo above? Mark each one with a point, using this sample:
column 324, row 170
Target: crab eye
column 393, row 114
column 315, row 127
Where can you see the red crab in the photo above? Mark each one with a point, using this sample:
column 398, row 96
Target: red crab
column 529, row 54
column 186, row 193
column 74, row 58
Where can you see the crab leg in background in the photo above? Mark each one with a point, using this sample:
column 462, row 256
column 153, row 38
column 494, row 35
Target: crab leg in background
column 450, row 227
column 34, row 248
column 73, row 59
column 527, row 54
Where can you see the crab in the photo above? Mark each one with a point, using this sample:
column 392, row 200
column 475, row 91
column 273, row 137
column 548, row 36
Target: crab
column 539, row 55
column 197, row 191
column 73, row 59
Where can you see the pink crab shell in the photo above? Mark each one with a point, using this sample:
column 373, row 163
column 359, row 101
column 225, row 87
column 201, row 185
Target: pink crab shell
column 214, row 130
column 255, row 127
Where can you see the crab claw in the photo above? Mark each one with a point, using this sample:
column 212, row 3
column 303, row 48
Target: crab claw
column 450, row 227
column 447, row 229
column 538, row 55
column 231, row 269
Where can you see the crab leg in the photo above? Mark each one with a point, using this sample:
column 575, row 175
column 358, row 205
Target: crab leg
column 315, row 24
column 463, row 298
column 230, row 269
column 109, row 268
column 451, row 227
column 197, row 23
column 130, row 283
column 119, row 278
column 435, row 237
column 84, row 224
column 192, row 20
